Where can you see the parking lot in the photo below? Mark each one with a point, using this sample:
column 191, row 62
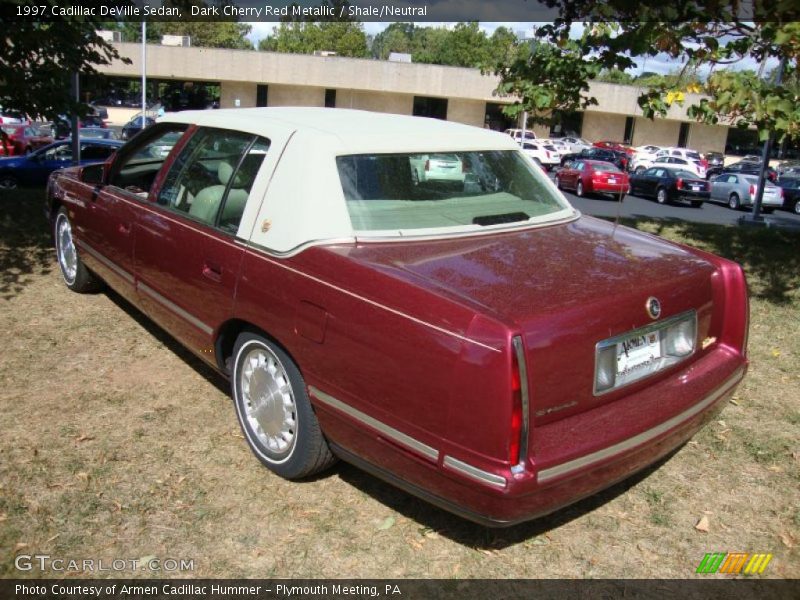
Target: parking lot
column 638, row 208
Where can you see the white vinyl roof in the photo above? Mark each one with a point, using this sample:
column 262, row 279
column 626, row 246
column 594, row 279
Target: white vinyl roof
column 354, row 130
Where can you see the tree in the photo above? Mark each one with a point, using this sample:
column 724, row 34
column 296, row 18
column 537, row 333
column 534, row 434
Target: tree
column 39, row 57
column 217, row 34
column 706, row 33
column 397, row 37
column 346, row 38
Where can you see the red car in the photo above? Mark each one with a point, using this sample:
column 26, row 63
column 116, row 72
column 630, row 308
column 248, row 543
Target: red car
column 482, row 345
column 21, row 139
column 618, row 146
column 592, row 177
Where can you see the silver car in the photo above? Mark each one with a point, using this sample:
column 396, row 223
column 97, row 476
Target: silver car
column 737, row 191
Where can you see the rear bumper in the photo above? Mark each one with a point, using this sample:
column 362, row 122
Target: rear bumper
column 570, row 459
column 689, row 195
column 609, row 188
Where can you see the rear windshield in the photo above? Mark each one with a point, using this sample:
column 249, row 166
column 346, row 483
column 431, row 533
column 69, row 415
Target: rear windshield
column 693, row 156
column 685, row 175
column 605, row 167
column 423, row 193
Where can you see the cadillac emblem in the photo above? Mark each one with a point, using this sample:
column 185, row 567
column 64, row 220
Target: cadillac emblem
column 653, row 307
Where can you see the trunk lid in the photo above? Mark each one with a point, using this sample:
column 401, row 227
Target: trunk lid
column 564, row 289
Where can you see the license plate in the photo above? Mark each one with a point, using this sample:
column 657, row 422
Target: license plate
column 612, row 180
column 638, row 355
column 696, row 188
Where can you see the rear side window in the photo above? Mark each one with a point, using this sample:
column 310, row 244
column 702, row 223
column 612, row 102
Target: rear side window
column 211, row 179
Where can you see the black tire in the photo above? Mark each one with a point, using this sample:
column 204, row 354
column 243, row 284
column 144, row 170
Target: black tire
column 75, row 274
column 662, row 197
column 558, row 182
column 734, row 203
column 796, row 208
column 308, row 452
column 8, row 182
column 579, row 190
column 697, row 203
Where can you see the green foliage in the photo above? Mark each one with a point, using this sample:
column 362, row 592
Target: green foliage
column 38, row 58
column 205, row 34
column 346, row 38
column 702, row 33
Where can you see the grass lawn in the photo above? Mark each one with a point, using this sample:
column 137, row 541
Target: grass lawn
column 117, row 443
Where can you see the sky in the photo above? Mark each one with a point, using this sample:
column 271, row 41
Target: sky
column 662, row 64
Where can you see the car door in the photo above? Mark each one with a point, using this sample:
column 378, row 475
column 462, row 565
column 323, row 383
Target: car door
column 107, row 231
column 650, row 181
column 722, row 186
column 187, row 259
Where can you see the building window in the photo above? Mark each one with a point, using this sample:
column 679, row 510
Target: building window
column 435, row 108
column 566, row 124
column 261, row 94
column 683, row 135
column 629, row 123
column 495, row 118
column 330, row 98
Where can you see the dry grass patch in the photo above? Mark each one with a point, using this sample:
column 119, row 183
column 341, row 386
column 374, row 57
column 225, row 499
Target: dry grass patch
column 117, row 443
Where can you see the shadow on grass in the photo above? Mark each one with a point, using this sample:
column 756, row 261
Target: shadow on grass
column 770, row 257
column 478, row 536
column 26, row 249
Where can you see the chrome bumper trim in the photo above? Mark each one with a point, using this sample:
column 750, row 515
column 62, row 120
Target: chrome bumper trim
column 389, row 432
column 174, row 308
column 583, row 461
column 475, row 473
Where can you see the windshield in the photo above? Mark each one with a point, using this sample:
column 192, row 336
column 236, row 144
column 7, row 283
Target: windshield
column 685, row 175
column 412, row 194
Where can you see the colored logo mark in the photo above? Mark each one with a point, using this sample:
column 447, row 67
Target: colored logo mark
column 734, row 563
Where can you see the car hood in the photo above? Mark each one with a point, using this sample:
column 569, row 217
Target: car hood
column 6, row 163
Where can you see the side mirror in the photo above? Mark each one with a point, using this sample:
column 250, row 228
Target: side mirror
column 92, row 174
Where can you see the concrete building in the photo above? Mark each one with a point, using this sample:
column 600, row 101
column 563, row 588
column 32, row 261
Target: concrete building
column 250, row 78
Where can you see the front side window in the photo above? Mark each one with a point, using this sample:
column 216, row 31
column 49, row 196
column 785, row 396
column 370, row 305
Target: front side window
column 140, row 160
column 454, row 191
column 211, row 179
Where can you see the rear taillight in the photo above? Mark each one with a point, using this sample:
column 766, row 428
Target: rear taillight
column 518, row 443
column 516, row 413
column 547, row 152
column 679, row 184
column 428, row 165
column 752, row 190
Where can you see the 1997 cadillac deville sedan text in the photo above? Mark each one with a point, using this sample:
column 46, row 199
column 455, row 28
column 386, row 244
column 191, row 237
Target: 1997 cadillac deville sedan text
column 411, row 295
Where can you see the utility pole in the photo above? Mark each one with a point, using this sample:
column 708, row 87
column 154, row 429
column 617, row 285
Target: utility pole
column 144, row 74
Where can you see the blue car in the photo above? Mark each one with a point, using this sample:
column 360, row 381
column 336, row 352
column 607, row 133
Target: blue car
column 33, row 169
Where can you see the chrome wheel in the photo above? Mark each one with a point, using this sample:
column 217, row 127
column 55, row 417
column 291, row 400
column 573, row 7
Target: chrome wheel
column 733, row 202
column 797, row 207
column 579, row 190
column 661, row 196
column 67, row 256
column 268, row 401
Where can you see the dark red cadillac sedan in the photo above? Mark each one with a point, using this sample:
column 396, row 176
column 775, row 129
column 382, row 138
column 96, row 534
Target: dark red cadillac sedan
column 472, row 339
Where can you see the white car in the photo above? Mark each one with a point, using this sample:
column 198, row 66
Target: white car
column 517, row 134
column 560, row 146
column 644, row 153
column 672, row 158
column 575, row 144
column 543, row 154
column 436, row 168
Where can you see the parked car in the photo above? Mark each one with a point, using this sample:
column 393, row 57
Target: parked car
column 716, row 162
column 790, row 168
column 670, row 185
column 575, row 144
column 643, row 153
column 674, row 158
column 33, row 169
column 517, row 134
column 593, row 177
column 739, row 191
column 134, row 126
column 101, row 133
column 486, row 347
column 13, row 117
column 21, row 139
column 62, row 126
column 542, row 154
column 558, row 144
column 791, row 193
column 439, row 168
column 750, row 167
column 615, row 157
column 618, row 146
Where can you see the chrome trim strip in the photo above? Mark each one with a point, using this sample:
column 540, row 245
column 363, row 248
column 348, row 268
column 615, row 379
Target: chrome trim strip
column 656, row 325
column 645, row 436
column 475, row 473
column 372, row 302
column 519, row 351
column 174, row 308
column 390, row 432
column 113, row 266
